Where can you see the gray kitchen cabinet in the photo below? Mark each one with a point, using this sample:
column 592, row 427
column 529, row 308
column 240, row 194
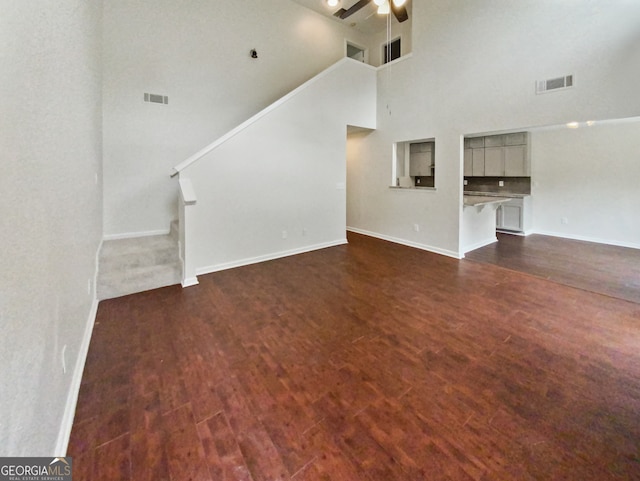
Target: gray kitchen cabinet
column 468, row 162
column 477, row 162
column 515, row 161
column 504, row 155
column 476, row 142
column 515, row 215
column 493, row 161
column 421, row 159
column 517, row 138
column 494, row 141
column 509, row 216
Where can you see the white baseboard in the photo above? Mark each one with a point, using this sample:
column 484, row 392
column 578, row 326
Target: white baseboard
column 267, row 257
column 74, row 389
column 133, row 235
column 480, row 244
column 512, row 232
column 596, row 240
column 396, row 240
column 190, row 281
column 97, row 269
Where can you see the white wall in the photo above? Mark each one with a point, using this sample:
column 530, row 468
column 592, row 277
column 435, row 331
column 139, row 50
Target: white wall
column 50, row 210
column 589, row 176
column 285, row 172
column 478, row 226
column 197, row 53
column 472, row 70
column 394, row 30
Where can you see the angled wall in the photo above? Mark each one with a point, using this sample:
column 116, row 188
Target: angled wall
column 197, row 54
column 278, row 186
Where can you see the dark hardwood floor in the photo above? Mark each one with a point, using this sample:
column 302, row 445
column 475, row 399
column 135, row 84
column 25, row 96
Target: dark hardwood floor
column 370, row 361
column 609, row 270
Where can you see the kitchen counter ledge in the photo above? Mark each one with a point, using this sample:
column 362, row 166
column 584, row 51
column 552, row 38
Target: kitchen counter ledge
column 496, row 194
column 482, row 200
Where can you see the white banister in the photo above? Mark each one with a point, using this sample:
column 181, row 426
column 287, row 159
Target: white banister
column 187, row 192
column 186, row 210
column 201, row 153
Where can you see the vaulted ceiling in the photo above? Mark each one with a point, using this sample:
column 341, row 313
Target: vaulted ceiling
column 366, row 19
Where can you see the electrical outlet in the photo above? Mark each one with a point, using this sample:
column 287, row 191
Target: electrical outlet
column 564, row 220
column 465, row 182
column 304, row 232
column 501, row 183
column 284, row 234
column 416, row 227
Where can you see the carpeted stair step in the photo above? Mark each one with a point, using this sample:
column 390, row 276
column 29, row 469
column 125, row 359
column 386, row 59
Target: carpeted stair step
column 138, row 279
column 127, row 266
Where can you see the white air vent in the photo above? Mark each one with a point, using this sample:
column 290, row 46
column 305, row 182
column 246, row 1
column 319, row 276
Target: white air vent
column 156, row 99
column 553, row 84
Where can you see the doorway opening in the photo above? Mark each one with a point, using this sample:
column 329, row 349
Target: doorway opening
column 356, row 52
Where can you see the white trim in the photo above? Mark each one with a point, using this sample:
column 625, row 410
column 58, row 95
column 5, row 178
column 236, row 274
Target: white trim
column 394, row 62
column 187, row 192
column 515, row 232
column 389, row 42
column 268, row 257
column 365, row 50
column 190, row 281
column 480, row 244
column 74, row 389
column 133, row 235
column 630, row 245
column 396, row 240
column 97, row 269
column 198, row 155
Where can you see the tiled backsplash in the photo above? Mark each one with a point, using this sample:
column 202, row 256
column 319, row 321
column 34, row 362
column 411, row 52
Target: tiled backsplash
column 423, row 181
column 512, row 185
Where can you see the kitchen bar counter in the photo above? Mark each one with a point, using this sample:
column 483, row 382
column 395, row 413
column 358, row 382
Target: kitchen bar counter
column 479, row 220
column 496, row 194
column 481, row 200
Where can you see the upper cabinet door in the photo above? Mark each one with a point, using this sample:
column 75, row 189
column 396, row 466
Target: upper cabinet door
column 517, row 138
column 420, row 164
column 494, row 141
column 493, row 162
column 503, row 155
column 477, row 166
column 468, row 162
column 476, row 142
column 421, row 158
column 515, row 161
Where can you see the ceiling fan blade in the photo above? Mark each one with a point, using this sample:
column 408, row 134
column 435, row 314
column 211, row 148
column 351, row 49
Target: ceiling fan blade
column 342, row 13
column 400, row 12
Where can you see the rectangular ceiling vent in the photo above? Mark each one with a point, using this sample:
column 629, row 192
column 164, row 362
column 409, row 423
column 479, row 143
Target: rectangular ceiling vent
column 554, row 84
column 156, row 99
